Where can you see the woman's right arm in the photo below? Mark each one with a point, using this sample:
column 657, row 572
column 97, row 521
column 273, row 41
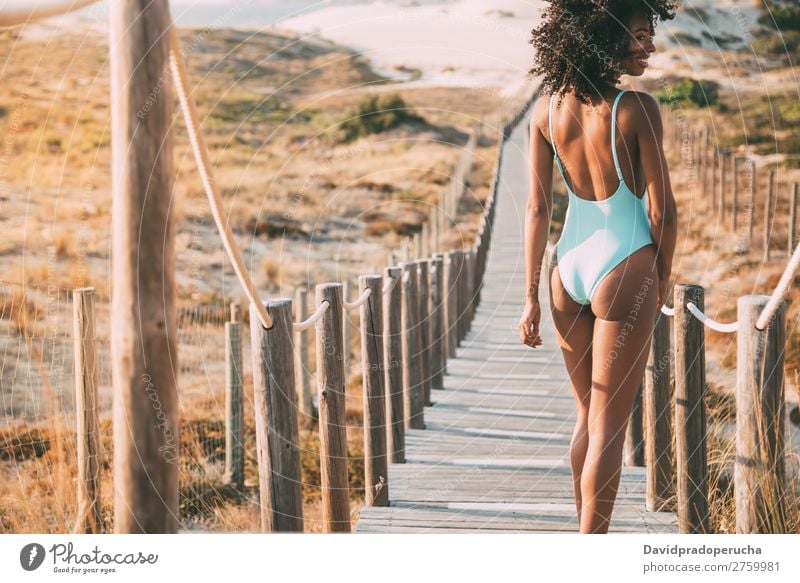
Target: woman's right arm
column 661, row 205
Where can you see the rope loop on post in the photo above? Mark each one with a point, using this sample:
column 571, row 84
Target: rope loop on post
column 710, row 322
column 306, row 324
column 359, row 301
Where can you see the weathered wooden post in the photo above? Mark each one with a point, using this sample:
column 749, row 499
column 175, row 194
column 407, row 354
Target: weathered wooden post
column 439, row 364
column 376, row 477
column 461, row 294
column 144, row 332
column 306, row 409
column 634, row 433
column 735, row 179
column 393, row 358
column 792, row 237
column 753, row 188
column 413, row 403
column 768, row 213
column 424, row 295
column 234, row 403
column 332, row 423
column 722, row 183
column 275, row 405
column 658, row 419
column 88, row 427
column 451, row 303
column 347, row 335
column 714, row 166
column 759, row 471
column 466, row 292
column 690, row 412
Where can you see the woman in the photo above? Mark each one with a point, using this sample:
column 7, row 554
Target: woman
column 610, row 272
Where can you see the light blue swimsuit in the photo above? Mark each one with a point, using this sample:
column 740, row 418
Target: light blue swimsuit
column 598, row 235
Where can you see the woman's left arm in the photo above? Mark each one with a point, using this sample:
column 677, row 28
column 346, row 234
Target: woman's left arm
column 537, row 223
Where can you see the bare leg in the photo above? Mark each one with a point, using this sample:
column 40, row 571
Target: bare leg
column 574, row 326
column 625, row 305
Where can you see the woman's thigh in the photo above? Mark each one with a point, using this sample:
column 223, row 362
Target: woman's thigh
column 574, row 325
column 625, row 305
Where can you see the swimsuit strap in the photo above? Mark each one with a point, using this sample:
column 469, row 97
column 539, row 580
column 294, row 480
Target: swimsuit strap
column 553, row 139
column 614, row 134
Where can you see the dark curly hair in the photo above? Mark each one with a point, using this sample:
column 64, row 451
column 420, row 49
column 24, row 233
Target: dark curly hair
column 579, row 43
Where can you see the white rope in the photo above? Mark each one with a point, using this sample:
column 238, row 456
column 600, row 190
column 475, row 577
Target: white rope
column 667, row 310
column 777, row 295
column 406, row 276
column 200, row 151
column 306, row 324
column 361, row 300
column 389, row 284
column 711, row 323
column 26, row 14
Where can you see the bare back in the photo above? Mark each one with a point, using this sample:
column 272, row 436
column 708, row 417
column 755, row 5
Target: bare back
column 582, row 137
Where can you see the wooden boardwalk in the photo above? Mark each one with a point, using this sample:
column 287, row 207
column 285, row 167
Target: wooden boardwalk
column 493, row 456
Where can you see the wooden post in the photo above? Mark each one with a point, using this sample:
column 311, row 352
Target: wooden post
column 88, row 428
column 424, row 306
column 658, row 419
column 332, row 423
column 714, row 164
column 753, row 188
column 759, row 471
column 376, row 486
column 458, row 323
column 634, row 433
column 451, row 302
column 412, row 383
column 393, row 358
column 144, row 332
column 722, row 183
column 735, row 179
column 469, row 283
column 234, row 403
column 439, row 362
column 690, row 413
column 768, row 213
column 275, row 404
column 792, row 237
column 347, row 336
column 307, row 410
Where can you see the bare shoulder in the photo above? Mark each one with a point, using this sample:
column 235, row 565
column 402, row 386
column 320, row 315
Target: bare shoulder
column 539, row 112
column 638, row 109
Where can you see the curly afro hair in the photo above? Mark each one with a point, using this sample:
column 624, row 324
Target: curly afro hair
column 579, row 43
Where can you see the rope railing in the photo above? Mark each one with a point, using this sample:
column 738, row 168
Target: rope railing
column 777, row 295
column 766, row 314
column 200, row 151
column 358, row 301
column 710, row 322
column 389, row 284
column 312, row 319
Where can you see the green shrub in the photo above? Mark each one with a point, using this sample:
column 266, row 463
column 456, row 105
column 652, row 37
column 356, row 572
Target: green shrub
column 783, row 17
column 375, row 114
column 700, row 93
column 778, row 45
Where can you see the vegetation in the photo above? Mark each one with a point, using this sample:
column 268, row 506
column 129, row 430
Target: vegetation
column 699, row 93
column 375, row 114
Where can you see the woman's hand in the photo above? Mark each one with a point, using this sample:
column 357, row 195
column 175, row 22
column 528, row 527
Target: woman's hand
column 529, row 323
